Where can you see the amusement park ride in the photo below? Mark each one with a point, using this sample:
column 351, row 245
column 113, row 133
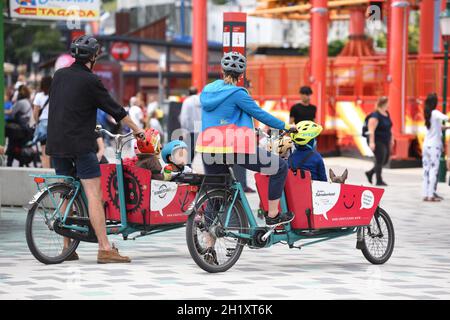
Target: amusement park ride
column 347, row 86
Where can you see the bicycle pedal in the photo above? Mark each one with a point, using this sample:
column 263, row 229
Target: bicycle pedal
column 291, row 246
column 267, row 234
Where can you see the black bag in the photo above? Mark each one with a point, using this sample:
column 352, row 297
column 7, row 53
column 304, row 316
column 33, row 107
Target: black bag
column 365, row 128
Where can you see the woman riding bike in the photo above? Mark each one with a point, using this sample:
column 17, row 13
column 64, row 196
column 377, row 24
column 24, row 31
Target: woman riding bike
column 228, row 135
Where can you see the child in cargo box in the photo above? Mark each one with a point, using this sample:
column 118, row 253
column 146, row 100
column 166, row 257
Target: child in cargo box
column 175, row 154
column 148, row 155
column 305, row 155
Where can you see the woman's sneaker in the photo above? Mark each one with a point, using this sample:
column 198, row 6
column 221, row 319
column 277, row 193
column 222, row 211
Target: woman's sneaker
column 281, row 218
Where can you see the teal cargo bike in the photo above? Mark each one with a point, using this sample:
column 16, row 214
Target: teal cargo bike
column 222, row 218
column 135, row 206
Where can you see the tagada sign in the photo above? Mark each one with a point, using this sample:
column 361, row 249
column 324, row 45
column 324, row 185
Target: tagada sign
column 71, row 10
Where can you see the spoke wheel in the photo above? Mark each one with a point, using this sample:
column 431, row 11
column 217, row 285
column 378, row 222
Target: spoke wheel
column 44, row 243
column 210, row 245
column 378, row 238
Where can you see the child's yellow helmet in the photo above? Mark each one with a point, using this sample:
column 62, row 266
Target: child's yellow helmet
column 306, row 131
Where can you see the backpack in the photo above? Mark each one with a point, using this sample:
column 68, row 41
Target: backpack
column 365, row 128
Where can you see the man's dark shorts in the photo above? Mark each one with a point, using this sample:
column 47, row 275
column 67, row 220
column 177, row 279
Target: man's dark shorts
column 84, row 166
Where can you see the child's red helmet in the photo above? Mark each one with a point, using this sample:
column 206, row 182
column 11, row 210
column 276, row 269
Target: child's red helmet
column 151, row 142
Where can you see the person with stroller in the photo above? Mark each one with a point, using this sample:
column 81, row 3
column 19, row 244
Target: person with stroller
column 18, row 128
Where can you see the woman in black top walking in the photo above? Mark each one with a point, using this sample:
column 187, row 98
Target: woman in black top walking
column 380, row 139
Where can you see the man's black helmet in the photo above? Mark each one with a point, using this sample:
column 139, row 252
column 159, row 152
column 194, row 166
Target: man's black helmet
column 84, row 48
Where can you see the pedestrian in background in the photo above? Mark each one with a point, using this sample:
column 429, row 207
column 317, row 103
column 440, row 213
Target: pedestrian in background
column 18, row 129
column 191, row 117
column 7, row 103
column 135, row 112
column 40, row 114
column 303, row 110
column 432, row 147
column 381, row 139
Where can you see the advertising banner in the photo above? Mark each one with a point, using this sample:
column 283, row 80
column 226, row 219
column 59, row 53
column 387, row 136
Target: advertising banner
column 81, row 10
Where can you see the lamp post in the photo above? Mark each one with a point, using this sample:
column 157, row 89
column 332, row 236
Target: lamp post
column 444, row 20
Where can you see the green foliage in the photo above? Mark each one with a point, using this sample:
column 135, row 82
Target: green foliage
column 220, row 2
column 109, row 5
column 381, row 41
column 21, row 41
column 335, row 47
column 413, row 37
column 304, row 51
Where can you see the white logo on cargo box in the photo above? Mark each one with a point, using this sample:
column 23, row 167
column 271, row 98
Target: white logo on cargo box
column 325, row 196
column 161, row 194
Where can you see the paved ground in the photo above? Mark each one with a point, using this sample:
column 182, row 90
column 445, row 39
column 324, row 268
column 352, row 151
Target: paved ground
column 163, row 269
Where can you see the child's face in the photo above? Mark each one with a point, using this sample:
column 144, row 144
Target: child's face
column 180, row 157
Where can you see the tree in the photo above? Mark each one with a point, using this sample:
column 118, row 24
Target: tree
column 21, row 41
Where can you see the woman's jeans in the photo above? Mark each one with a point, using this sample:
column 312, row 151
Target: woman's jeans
column 382, row 154
column 263, row 161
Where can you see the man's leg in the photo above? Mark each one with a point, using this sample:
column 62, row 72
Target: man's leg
column 93, row 190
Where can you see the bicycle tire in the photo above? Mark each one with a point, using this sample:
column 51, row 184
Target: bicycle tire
column 380, row 213
column 192, row 240
column 34, row 249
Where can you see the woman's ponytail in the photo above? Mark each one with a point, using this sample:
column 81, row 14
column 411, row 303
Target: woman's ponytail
column 430, row 104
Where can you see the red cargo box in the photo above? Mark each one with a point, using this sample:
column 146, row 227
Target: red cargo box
column 151, row 201
column 329, row 205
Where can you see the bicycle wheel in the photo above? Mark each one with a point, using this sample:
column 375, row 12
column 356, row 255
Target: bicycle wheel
column 205, row 229
column 44, row 243
column 378, row 238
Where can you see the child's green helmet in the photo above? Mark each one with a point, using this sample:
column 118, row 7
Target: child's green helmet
column 306, row 131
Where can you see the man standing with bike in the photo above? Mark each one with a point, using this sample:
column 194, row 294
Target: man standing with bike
column 75, row 94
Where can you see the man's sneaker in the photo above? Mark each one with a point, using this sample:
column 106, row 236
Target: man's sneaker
column 281, row 218
column 111, row 256
column 211, row 256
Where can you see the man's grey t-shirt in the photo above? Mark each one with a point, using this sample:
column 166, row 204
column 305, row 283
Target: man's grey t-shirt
column 22, row 111
column 191, row 114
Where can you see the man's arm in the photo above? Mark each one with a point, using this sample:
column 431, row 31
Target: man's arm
column 105, row 102
column 130, row 124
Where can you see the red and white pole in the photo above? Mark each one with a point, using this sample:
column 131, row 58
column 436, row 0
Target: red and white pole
column 235, row 34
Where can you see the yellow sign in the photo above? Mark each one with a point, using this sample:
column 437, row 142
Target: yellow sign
column 83, row 10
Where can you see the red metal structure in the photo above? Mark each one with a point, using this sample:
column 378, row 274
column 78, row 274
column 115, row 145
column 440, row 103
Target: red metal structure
column 358, row 75
column 199, row 45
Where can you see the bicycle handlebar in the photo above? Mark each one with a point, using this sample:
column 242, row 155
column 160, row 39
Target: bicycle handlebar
column 268, row 136
column 99, row 128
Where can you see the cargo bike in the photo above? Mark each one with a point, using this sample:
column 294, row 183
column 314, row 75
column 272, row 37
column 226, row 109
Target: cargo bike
column 135, row 206
column 222, row 218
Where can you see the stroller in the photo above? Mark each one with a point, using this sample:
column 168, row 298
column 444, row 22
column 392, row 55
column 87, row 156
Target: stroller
column 18, row 136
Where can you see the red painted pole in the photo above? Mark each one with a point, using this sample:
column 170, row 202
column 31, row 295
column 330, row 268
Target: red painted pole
column 357, row 21
column 318, row 57
column 426, row 27
column 199, row 45
column 397, row 64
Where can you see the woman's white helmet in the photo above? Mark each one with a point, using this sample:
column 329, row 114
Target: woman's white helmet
column 233, row 61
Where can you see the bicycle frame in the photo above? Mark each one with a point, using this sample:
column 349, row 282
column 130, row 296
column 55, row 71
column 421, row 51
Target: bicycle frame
column 123, row 228
column 289, row 236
